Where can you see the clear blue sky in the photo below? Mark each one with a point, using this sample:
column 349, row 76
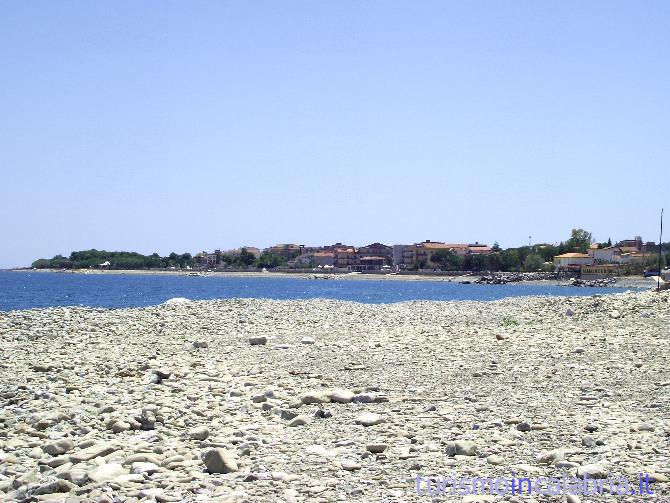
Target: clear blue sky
column 161, row 126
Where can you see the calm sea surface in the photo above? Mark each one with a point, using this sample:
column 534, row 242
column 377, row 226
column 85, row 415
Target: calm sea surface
column 22, row 290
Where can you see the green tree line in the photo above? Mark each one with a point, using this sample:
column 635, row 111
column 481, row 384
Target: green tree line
column 117, row 260
column 88, row 259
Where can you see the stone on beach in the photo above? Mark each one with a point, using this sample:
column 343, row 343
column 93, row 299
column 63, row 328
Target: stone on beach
column 199, row 433
column 144, row 467
column 92, row 452
column 318, row 396
column 258, row 341
column 376, row 448
column 300, row 420
column 341, row 396
column 107, row 472
column 219, row 461
column 58, row 447
column 594, row 471
column 461, row 448
column 369, row 419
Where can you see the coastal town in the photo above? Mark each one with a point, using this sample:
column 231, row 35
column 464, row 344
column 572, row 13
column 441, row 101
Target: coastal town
column 597, row 260
column 580, row 256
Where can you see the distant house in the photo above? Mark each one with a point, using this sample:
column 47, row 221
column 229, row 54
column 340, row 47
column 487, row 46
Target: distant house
column 567, row 260
column 377, row 250
column 459, row 249
column 403, row 256
column 635, row 243
column 235, row 252
column 288, row 251
column 345, row 257
column 206, row 259
column 610, row 254
column 423, row 252
column 316, row 259
column 324, row 258
column 627, row 258
column 479, row 249
column 369, row 264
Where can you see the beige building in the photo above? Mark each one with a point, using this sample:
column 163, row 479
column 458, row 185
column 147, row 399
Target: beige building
column 345, row 257
column 235, row 252
column 610, row 254
column 572, row 259
column 316, row 259
column 423, row 252
column 288, row 251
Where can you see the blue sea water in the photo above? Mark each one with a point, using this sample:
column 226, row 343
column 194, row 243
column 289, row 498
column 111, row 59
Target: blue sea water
column 25, row 290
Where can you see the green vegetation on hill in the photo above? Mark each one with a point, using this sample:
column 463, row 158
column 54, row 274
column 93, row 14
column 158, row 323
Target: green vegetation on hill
column 91, row 259
column 117, row 260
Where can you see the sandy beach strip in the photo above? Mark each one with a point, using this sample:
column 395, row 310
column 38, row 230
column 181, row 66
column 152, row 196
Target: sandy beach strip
column 621, row 282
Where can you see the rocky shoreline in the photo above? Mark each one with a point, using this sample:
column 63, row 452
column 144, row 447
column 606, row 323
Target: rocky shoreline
column 518, row 277
column 255, row 400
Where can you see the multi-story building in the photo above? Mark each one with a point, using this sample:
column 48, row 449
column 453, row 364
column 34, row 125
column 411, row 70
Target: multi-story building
column 235, row 252
column 288, row 251
column 369, row 264
column 207, row 259
column 316, row 259
column 377, row 250
column 423, row 252
column 403, row 256
column 345, row 257
column 420, row 255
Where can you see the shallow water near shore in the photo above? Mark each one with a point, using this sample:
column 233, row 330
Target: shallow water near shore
column 39, row 290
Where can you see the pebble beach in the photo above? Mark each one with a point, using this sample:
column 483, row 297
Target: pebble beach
column 258, row 400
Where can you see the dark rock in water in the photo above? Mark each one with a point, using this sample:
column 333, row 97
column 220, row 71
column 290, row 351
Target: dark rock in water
column 596, row 282
column 501, row 278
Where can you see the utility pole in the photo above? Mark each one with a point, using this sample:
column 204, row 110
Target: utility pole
column 660, row 251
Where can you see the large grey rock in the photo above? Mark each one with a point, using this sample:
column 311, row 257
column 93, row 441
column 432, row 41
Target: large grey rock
column 107, row 472
column 58, row 447
column 369, row 419
column 594, row 471
column 341, row 396
column 53, row 486
column 199, row 433
column 144, row 467
column 318, row 396
column 258, row 340
column 462, row 448
column 300, row 420
column 95, row 451
column 219, row 461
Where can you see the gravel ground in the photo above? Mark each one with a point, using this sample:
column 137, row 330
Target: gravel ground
column 255, row 400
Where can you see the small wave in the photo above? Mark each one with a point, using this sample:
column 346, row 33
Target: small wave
column 176, row 300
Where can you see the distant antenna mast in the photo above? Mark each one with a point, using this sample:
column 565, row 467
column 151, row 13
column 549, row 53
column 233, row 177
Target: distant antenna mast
column 660, row 251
